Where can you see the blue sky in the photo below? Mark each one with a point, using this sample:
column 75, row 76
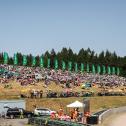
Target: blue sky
column 34, row 26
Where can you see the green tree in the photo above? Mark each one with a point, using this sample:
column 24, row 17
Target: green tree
column 101, row 57
column 47, row 59
column 52, row 58
column 1, row 58
column 20, row 58
column 80, row 56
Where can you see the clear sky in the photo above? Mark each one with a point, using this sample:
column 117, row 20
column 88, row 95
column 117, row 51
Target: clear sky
column 34, row 26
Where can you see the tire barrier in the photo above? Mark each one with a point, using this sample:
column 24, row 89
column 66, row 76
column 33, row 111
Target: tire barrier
column 94, row 119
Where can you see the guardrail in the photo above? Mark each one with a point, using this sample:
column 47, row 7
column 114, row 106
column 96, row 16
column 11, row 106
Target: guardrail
column 100, row 116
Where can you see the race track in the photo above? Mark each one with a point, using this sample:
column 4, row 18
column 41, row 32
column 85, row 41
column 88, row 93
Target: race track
column 115, row 120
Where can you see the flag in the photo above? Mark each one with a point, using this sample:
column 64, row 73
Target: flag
column 33, row 61
column 69, row 65
column 82, row 67
column 56, row 64
column 76, row 67
column 118, row 71
column 48, row 63
column 24, row 60
column 113, row 70
column 5, row 57
column 109, row 70
column 2, row 70
column 41, row 62
column 93, row 69
column 98, row 69
column 104, row 70
column 88, row 69
column 63, row 65
column 15, row 59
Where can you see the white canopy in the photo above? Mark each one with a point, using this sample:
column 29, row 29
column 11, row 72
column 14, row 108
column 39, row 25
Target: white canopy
column 76, row 104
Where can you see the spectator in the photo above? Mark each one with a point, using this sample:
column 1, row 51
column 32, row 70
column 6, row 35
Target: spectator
column 21, row 114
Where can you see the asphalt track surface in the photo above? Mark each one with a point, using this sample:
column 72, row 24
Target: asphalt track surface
column 115, row 120
column 13, row 122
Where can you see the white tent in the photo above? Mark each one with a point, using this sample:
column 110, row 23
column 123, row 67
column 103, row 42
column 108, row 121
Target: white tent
column 76, row 104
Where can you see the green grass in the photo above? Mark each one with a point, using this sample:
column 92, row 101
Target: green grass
column 96, row 103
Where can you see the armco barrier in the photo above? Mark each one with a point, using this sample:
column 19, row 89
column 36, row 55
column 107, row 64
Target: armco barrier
column 100, row 116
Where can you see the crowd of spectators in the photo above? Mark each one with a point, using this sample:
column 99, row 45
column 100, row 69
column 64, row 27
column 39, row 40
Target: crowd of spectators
column 31, row 75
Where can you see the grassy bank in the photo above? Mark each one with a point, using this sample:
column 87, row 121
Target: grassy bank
column 96, row 103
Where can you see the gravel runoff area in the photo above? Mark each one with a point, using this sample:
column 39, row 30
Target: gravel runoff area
column 115, row 120
column 13, row 122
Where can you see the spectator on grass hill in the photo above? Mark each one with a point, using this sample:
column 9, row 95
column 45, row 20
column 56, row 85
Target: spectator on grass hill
column 41, row 93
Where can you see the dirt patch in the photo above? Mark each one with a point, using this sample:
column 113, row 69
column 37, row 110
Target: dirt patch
column 13, row 122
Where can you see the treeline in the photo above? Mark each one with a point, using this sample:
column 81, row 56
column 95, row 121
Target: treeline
column 54, row 59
